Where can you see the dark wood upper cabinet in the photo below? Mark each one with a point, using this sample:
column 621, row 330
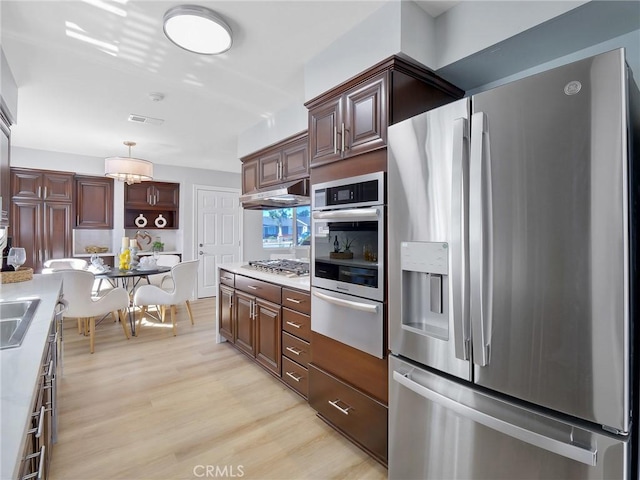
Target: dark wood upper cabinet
column 151, row 202
column 353, row 117
column 42, row 214
column 94, row 202
column 45, row 185
column 250, row 175
column 285, row 161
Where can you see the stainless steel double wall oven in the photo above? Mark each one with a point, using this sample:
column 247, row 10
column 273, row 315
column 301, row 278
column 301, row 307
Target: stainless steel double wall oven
column 347, row 268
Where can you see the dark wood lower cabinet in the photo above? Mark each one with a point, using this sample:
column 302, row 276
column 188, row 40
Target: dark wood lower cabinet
column 357, row 416
column 268, row 328
column 225, row 312
column 244, row 336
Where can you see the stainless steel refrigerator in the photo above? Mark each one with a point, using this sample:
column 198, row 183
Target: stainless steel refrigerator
column 512, row 269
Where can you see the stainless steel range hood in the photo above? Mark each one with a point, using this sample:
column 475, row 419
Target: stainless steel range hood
column 291, row 194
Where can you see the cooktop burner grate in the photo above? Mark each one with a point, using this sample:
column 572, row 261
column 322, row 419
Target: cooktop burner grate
column 292, row 268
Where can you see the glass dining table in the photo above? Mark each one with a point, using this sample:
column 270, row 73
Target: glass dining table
column 129, row 280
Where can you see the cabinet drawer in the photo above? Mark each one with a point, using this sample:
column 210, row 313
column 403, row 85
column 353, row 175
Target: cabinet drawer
column 355, row 414
column 227, row 278
column 296, row 300
column 296, row 376
column 296, row 349
column 296, row 324
column 261, row 289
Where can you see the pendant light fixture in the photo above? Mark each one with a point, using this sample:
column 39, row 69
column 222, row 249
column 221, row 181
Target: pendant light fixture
column 197, row 29
column 128, row 169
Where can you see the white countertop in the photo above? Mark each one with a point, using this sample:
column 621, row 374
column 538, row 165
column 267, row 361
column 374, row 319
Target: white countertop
column 20, row 367
column 300, row 283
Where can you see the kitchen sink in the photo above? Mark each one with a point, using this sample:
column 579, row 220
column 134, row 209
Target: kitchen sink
column 15, row 318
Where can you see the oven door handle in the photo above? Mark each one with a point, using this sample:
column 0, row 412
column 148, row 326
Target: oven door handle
column 363, row 307
column 347, row 214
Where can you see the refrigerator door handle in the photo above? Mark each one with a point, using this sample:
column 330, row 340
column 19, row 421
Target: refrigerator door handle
column 459, row 245
column 579, row 454
column 480, row 239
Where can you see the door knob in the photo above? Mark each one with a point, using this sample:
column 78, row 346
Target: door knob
column 201, row 252
column 201, row 245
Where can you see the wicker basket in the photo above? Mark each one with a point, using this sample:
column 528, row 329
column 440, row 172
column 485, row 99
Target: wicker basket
column 23, row 274
column 96, row 249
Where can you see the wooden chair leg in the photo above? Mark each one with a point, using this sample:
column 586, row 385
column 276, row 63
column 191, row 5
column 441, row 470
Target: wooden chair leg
column 173, row 320
column 189, row 310
column 92, row 333
column 80, row 322
column 86, row 326
column 163, row 312
column 114, row 316
column 123, row 321
column 143, row 312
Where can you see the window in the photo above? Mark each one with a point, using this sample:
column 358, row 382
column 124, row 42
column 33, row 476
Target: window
column 285, row 227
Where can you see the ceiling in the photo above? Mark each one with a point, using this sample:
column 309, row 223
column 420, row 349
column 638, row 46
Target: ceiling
column 76, row 97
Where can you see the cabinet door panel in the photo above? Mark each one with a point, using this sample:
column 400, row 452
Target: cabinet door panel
column 295, row 161
column 26, row 184
column 268, row 340
column 225, row 313
column 269, row 169
column 366, row 117
column 244, row 334
column 26, row 229
column 57, row 187
column 250, row 176
column 324, row 120
column 57, row 227
column 94, row 202
column 137, row 194
column 165, row 195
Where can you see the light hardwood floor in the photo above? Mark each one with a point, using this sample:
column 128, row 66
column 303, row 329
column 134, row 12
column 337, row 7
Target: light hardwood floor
column 163, row 407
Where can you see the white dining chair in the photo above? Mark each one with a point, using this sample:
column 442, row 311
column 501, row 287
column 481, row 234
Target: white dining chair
column 163, row 280
column 59, row 264
column 76, row 286
column 184, row 276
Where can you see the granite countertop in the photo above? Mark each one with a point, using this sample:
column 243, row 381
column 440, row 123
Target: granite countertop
column 20, row 367
column 299, row 283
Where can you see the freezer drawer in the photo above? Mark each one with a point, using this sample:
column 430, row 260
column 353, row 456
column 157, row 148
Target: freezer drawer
column 442, row 429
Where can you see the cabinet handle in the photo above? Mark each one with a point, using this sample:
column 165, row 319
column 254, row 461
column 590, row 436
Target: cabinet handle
column 39, row 191
column 294, row 325
column 297, row 378
column 295, row 351
column 45, row 192
column 293, row 300
column 77, row 220
column 342, row 150
column 40, row 422
column 40, row 464
column 252, row 287
column 335, row 140
column 334, row 404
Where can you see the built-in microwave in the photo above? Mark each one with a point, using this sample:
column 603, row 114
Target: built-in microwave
column 348, row 218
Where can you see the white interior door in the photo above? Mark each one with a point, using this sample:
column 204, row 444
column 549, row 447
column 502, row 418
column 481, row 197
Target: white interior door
column 218, row 234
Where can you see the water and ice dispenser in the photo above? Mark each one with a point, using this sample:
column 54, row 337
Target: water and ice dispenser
column 425, row 288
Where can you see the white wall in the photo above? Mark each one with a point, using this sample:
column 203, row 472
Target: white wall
column 472, row 26
column 372, row 40
column 8, row 89
column 277, row 127
column 187, row 177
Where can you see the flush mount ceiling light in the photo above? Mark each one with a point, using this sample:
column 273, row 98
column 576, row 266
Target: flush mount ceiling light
column 128, row 169
column 197, row 29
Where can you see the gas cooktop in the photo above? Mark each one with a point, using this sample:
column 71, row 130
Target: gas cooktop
column 290, row 268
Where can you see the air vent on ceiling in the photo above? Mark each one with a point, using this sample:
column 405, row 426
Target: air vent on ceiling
column 142, row 119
